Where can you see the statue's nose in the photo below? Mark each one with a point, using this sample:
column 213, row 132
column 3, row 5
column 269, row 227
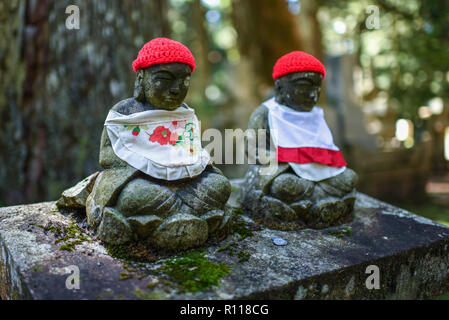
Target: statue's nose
column 313, row 94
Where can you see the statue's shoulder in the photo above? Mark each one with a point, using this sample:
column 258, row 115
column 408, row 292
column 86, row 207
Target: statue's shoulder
column 128, row 106
column 259, row 118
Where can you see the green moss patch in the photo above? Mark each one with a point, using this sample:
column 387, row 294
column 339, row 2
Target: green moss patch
column 68, row 236
column 194, row 272
column 341, row 233
column 134, row 251
column 72, row 235
column 230, row 249
column 50, row 228
column 241, row 227
column 154, row 295
column 38, row 268
column 243, row 256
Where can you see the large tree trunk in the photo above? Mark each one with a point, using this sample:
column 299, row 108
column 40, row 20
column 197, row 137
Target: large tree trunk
column 57, row 86
column 266, row 30
column 310, row 28
column 201, row 76
column 12, row 74
column 23, row 69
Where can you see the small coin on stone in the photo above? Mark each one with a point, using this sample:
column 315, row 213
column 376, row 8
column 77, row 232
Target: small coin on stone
column 279, row 241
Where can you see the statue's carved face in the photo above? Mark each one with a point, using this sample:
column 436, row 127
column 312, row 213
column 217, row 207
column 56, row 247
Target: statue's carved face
column 165, row 85
column 298, row 90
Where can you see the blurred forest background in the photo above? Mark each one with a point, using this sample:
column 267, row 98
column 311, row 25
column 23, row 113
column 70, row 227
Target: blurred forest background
column 385, row 97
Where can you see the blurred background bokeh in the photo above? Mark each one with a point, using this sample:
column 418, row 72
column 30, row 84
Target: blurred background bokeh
column 386, row 95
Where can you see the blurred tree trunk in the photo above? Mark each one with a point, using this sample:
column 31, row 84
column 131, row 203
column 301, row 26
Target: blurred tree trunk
column 310, row 28
column 57, row 85
column 13, row 150
column 23, row 68
column 201, row 44
column 266, row 30
column 311, row 34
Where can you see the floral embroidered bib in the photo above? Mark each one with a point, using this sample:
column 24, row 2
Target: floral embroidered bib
column 163, row 144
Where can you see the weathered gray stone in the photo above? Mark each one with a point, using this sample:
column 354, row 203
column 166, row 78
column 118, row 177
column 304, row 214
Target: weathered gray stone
column 341, row 184
column 207, row 192
column 327, row 210
column 107, row 158
column 141, row 196
column 144, row 226
column 76, row 196
column 213, row 219
column 114, row 228
column 285, row 201
column 109, row 184
column 276, row 214
column 93, row 212
column 179, row 232
column 301, row 207
column 412, row 254
column 135, row 195
column 289, row 187
column 226, row 223
column 106, row 189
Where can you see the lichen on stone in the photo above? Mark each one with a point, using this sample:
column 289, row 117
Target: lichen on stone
column 154, row 295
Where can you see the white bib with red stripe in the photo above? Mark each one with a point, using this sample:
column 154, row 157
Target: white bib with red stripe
column 304, row 140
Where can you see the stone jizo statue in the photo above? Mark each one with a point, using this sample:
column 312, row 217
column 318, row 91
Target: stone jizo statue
column 158, row 184
column 312, row 186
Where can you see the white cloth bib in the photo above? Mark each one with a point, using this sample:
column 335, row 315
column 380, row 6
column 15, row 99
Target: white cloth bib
column 163, row 144
column 305, row 140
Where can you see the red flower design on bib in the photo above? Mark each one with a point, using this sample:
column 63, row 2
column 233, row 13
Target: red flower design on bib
column 162, row 136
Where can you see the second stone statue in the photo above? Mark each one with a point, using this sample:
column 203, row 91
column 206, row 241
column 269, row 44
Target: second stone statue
column 158, row 183
column 312, row 187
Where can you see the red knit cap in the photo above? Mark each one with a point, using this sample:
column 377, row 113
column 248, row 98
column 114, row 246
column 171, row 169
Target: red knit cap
column 163, row 50
column 297, row 61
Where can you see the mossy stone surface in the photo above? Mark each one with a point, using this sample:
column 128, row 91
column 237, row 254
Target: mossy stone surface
column 213, row 219
column 105, row 191
column 289, row 187
column 114, row 228
column 144, row 226
column 412, row 254
column 141, row 196
column 179, row 232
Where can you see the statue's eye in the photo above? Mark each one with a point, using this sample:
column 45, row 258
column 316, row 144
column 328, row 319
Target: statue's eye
column 303, row 83
column 163, row 78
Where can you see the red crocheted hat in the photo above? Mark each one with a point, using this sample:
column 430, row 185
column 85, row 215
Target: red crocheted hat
column 163, row 50
column 296, row 61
